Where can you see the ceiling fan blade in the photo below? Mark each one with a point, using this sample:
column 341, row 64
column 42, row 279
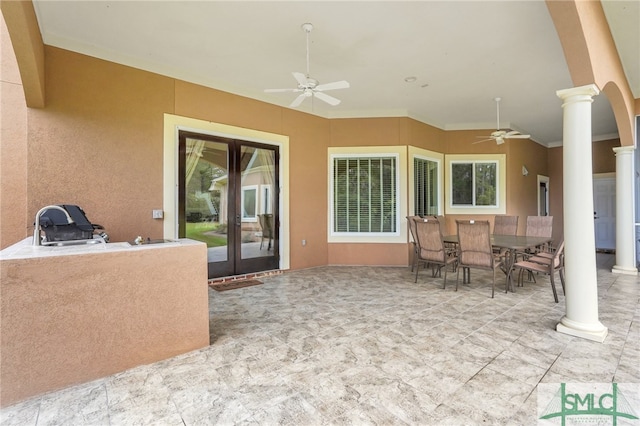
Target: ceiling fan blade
column 499, row 141
column 280, row 90
column 297, row 101
column 328, row 99
column 480, row 137
column 333, row 86
column 483, row 140
column 517, row 137
column 300, row 78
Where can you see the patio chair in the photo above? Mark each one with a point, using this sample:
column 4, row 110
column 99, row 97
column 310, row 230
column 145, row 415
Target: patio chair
column 431, row 249
column 474, row 249
column 412, row 229
column 548, row 253
column 451, row 248
column 266, row 223
column 505, row 225
column 544, row 265
column 443, row 224
column 539, row 226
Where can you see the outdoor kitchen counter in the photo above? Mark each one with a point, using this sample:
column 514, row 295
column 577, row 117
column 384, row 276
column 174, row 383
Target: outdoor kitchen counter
column 72, row 314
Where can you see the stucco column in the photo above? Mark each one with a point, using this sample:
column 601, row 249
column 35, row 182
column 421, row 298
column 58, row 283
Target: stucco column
column 625, row 227
column 581, row 285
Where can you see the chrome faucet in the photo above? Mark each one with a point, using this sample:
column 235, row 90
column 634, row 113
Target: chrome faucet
column 37, row 240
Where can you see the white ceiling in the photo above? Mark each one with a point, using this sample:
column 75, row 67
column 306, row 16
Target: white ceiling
column 463, row 54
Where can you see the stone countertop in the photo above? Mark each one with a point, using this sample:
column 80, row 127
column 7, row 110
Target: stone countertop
column 25, row 249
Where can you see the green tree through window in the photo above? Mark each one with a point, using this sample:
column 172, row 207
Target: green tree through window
column 474, row 183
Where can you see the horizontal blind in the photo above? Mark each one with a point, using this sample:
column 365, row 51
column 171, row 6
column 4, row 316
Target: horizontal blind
column 364, row 194
column 425, row 181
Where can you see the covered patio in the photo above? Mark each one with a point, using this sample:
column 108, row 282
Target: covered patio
column 365, row 345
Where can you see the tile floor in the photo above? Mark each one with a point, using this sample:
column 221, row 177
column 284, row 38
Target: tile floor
column 364, row 345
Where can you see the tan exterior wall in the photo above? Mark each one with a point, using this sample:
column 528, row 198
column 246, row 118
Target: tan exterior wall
column 422, row 135
column 522, row 191
column 98, row 143
column 556, row 182
column 27, row 49
column 204, row 103
column 13, row 146
column 366, row 132
column 309, row 139
column 604, row 159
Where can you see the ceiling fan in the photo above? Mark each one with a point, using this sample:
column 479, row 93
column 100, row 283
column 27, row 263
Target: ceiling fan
column 500, row 135
column 309, row 87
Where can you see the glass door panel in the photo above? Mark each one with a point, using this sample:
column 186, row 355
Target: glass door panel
column 228, row 199
column 257, row 180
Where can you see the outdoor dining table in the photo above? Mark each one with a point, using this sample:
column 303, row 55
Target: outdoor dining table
column 512, row 244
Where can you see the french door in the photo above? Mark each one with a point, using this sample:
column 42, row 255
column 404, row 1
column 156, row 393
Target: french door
column 228, row 198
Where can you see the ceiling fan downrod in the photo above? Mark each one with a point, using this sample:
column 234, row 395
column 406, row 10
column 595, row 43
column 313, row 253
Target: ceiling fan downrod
column 307, row 27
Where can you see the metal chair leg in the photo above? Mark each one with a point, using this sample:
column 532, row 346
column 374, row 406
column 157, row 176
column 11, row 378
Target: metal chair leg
column 553, row 286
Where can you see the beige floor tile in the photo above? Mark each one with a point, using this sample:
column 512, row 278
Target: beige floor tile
column 363, row 345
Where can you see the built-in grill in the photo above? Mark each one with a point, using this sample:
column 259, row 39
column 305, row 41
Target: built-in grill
column 66, row 224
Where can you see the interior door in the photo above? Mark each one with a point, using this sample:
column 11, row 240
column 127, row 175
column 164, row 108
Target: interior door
column 543, row 196
column 604, row 215
column 228, row 198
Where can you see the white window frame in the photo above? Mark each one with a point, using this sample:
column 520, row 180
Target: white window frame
column 399, row 153
column 501, row 179
column 253, row 218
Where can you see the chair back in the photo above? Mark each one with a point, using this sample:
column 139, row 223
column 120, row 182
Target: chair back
column 539, row 226
column 505, row 225
column 443, row 225
column 412, row 226
column 430, row 244
column 474, row 243
column 557, row 256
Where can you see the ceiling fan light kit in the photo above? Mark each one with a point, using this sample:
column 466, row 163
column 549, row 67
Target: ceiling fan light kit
column 309, row 87
column 500, row 135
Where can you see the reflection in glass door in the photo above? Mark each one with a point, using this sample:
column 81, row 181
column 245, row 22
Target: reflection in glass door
column 228, row 199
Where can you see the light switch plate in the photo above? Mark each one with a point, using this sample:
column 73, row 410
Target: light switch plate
column 158, row 214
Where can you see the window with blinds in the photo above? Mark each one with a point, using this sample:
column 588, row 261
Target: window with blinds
column 425, row 187
column 365, row 194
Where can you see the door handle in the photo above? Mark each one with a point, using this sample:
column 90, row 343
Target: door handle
column 238, row 221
